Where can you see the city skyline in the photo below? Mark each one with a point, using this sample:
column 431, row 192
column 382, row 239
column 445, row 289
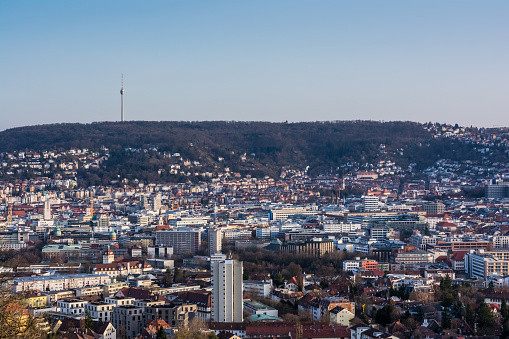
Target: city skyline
column 268, row 61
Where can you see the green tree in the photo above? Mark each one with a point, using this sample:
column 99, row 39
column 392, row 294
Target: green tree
column 161, row 333
column 167, row 277
column 446, row 321
column 458, row 310
column 213, row 335
column 485, row 316
column 420, row 315
column 446, row 283
column 178, row 276
column 89, row 323
column 505, row 330
column 245, row 274
column 469, row 315
column 383, row 316
column 278, row 279
column 448, row 300
column 504, row 310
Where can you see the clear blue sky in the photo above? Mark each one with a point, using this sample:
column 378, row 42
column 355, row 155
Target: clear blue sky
column 434, row 60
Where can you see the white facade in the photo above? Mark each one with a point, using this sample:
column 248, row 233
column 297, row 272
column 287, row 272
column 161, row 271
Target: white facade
column 263, row 233
column 501, row 241
column 351, row 265
column 159, row 251
column 227, row 291
column 59, row 282
column 258, row 287
column 47, row 210
column 284, row 213
column 71, row 307
column 119, row 301
column 215, row 240
column 100, row 310
column 370, row 203
column 341, row 227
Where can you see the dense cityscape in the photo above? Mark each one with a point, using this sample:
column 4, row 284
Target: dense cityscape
column 369, row 250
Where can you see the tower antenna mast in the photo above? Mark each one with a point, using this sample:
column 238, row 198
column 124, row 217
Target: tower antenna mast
column 122, row 100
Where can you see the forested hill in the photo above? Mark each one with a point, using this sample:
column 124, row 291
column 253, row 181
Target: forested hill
column 262, row 148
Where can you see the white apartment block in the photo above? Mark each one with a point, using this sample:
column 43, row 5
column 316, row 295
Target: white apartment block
column 59, row 282
column 100, row 310
column 74, row 307
column 258, row 287
column 215, row 240
column 351, row 265
column 501, row 241
column 119, row 301
column 128, row 319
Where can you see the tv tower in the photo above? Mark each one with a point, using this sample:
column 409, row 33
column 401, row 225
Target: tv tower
column 122, row 100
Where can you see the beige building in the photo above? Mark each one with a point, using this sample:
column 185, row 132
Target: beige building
column 316, row 246
column 413, row 257
column 227, row 291
column 341, row 316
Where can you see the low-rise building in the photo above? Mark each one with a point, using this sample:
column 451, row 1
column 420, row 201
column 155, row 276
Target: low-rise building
column 99, row 310
column 258, row 287
column 58, row 282
column 253, row 307
column 75, row 307
column 128, row 320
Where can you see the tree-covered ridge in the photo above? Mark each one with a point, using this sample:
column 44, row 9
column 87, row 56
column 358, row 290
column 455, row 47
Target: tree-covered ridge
column 258, row 148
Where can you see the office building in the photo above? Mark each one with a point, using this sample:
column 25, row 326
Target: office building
column 498, row 191
column 183, row 242
column 370, row 203
column 433, row 208
column 481, row 264
column 316, row 246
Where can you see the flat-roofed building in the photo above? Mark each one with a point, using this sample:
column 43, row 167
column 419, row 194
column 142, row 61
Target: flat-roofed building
column 128, row 320
column 434, row 207
column 481, row 264
column 413, row 257
column 58, row 282
column 316, row 246
column 258, row 287
column 183, row 242
column 75, row 307
column 175, row 314
column 100, row 310
column 285, row 213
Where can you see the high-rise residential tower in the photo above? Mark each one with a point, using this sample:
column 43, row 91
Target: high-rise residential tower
column 227, row 290
column 47, row 210
column 215, row 237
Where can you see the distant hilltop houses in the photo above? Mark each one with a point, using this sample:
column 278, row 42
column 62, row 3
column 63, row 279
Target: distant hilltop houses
column 426, row 149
